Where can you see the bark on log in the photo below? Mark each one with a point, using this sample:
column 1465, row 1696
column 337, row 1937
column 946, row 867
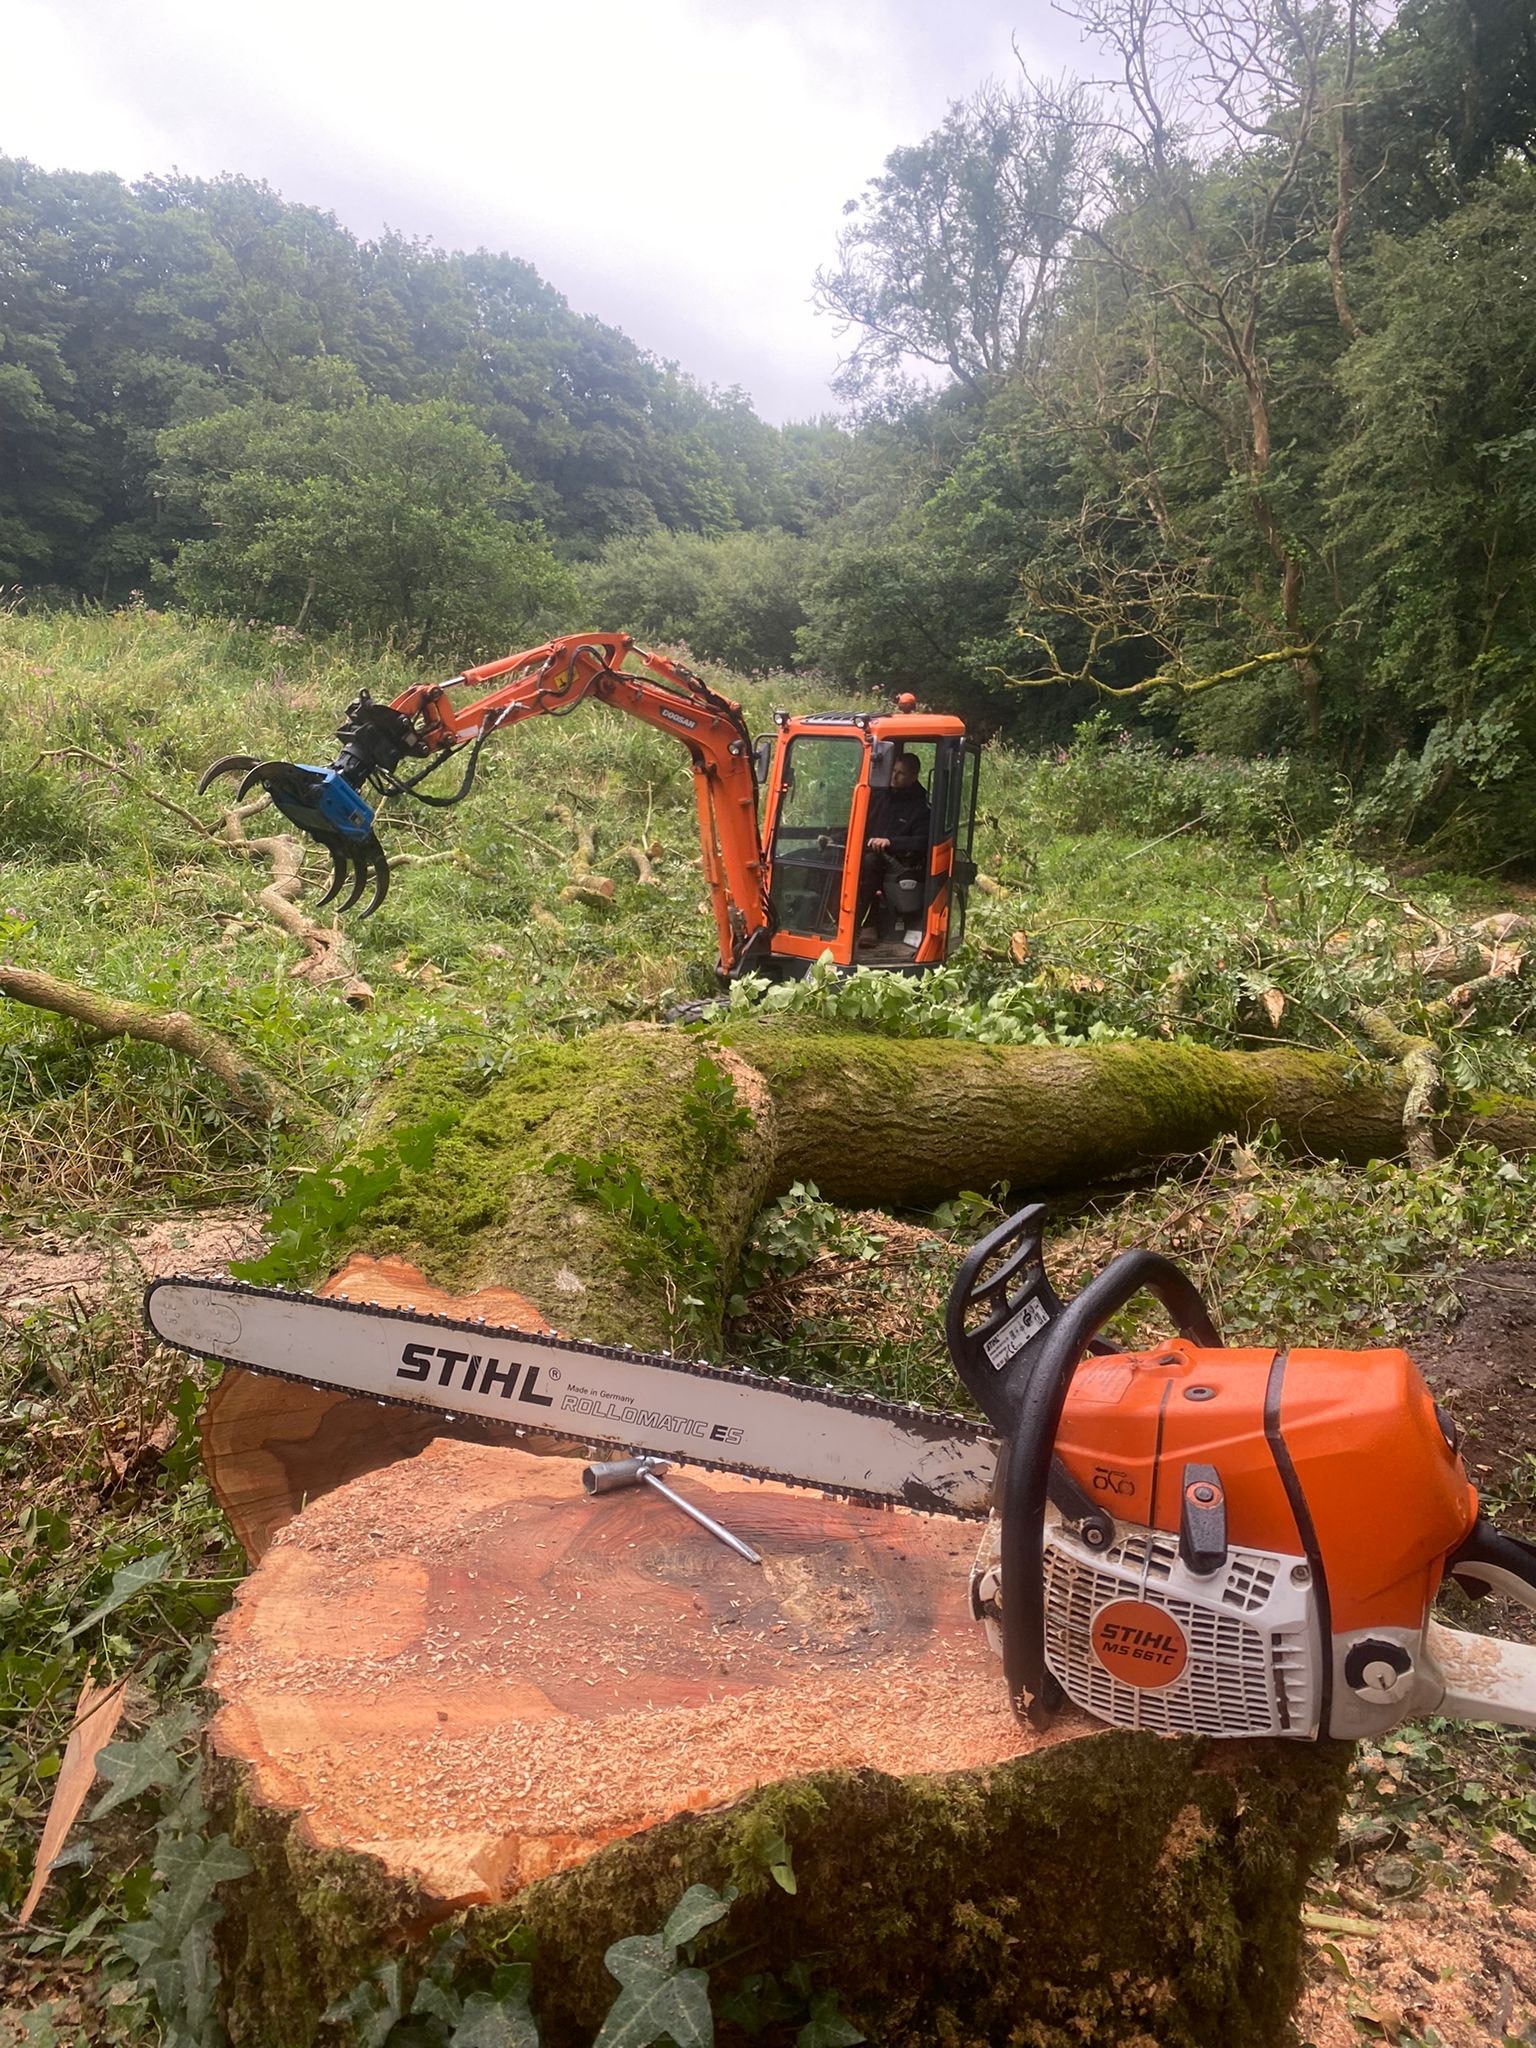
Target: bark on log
column 869, row 1119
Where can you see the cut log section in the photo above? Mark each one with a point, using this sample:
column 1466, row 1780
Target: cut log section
column 468, row 1668
column 460, row 1682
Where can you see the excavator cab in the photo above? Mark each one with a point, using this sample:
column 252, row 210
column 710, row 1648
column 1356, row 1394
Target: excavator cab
column 830, row 779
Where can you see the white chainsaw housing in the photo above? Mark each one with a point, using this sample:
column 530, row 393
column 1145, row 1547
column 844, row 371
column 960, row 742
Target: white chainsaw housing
column 1254, row 1645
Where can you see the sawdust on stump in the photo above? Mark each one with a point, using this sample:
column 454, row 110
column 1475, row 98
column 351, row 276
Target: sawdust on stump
column 465, row 1667
column 270, row 1445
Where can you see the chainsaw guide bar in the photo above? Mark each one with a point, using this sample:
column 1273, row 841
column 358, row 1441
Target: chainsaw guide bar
column 877, row 1452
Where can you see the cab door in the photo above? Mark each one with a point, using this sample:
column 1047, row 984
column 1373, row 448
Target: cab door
column 817, row 812
column 951, row 870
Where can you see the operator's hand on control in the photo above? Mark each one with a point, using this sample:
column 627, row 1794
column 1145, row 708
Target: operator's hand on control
column 878, row 845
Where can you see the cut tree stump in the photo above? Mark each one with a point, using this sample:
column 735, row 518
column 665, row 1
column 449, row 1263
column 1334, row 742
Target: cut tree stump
column 459, row 1683
column 467, row 1667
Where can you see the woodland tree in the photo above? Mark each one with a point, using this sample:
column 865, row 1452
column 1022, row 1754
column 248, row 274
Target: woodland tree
column 382, row 517
column 951, row 255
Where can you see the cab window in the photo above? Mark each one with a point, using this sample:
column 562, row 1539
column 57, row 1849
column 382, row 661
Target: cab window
column 820, row 777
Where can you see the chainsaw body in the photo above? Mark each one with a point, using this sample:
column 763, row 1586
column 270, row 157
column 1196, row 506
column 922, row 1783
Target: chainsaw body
column 1212, row 1540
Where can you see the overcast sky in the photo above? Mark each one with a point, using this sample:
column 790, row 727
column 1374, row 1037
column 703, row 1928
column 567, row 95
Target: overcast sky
column 677, row 167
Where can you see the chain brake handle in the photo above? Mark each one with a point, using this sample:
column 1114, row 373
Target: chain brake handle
column 1015, row 1346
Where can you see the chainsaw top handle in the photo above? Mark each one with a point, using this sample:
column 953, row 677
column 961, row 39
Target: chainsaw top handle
column 1017, row 1363
column 1002, row 1305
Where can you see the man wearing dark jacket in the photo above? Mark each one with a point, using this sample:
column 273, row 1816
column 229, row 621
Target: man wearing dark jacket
column 895, row 838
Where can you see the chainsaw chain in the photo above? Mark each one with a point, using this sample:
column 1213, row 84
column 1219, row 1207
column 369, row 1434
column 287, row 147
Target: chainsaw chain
column 960, row 1426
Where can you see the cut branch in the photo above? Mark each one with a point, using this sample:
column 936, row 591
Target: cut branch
column 1421, row 1074
column 250, row 1085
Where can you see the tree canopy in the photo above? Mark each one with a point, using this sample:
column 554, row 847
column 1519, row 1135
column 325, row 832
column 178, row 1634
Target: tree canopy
column 127, row 311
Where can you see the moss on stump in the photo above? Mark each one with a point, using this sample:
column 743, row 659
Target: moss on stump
column 1115, row 1890
column 694, row 1124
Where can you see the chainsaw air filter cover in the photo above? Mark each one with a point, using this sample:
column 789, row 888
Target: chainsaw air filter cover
column 1137, row 1639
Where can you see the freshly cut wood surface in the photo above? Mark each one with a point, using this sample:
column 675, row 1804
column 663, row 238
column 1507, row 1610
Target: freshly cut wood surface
column 270, row 1445
column 466, row 1667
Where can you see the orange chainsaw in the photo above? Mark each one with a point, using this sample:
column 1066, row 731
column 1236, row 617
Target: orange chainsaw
column 1211, row 1540
column 1197, row 1539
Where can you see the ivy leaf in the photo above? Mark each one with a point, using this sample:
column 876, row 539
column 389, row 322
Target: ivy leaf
column 446, row 1952
column 150, row 1764
column 132, row 1578
column 781, row 1865
column 699, row 1907
column 372, row 2008
column 826, row 2027
column 437, row 2002
column 199, row 1982
column 657, row 2001
column 495, row 2023
column 192, row 1870
column 640, row 1961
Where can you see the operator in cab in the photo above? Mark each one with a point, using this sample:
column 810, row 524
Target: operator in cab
column 896, row 833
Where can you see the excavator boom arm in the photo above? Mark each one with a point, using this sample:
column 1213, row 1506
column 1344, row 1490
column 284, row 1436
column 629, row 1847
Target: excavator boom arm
column 556, row 677
column 425, row 725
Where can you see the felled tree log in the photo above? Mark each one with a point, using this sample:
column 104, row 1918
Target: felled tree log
column 871, row 1120
column 460, row 1683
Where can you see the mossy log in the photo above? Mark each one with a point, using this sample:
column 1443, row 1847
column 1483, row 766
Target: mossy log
column 504, row 1201
column 1106, row 1889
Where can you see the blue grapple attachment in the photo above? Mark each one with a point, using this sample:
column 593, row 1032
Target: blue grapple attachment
column 327, row 804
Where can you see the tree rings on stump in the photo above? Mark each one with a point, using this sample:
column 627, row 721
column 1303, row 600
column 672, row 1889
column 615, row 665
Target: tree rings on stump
column 465, row 1666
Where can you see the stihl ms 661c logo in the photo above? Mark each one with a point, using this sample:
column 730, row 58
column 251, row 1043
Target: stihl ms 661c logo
column 1139, row 1644
column 482, row 1374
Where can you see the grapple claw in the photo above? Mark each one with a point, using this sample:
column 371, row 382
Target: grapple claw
column 338, row 875
column 326, row 807
column 260, row 773
column 380, row 883
column 359, row 878
column 227, row 764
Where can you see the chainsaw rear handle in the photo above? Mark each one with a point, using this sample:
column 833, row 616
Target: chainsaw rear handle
column 1487, row 1561
column 1024, row 1467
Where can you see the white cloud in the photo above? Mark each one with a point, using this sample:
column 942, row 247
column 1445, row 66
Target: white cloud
column 676, row 167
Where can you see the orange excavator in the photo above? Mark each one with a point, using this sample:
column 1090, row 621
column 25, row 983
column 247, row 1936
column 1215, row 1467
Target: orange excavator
column 850, row 856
